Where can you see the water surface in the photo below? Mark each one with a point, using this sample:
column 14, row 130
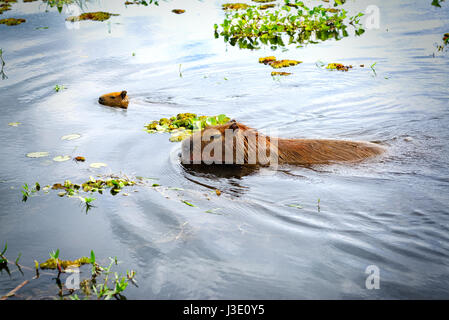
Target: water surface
column 390, row 212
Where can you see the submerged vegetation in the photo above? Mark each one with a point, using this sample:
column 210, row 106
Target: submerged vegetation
column 292, row 23
column 184, row 124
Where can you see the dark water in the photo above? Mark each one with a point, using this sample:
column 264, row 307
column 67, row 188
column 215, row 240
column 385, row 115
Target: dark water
column 391, row 212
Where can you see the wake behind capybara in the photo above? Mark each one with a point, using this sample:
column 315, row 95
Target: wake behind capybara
column 235, row 143
column 115, row 99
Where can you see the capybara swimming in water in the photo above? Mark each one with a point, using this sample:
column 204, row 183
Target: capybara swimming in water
column 115, row 99
column 235, row 143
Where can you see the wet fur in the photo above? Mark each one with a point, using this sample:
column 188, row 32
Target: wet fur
column 303, row 152
column 115, row 99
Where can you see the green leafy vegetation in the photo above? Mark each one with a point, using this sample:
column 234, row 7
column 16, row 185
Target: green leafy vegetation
column 102, row 282
column 184, row 124
column 437, row 3
column 27, row 192
column 293, row 23
column 114, row 184
column 58, row 88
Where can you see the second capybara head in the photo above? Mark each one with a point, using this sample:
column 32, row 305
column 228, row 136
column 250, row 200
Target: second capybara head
column 115, row 99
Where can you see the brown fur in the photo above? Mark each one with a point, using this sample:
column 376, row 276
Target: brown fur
column 115, row 99
column 288, row 151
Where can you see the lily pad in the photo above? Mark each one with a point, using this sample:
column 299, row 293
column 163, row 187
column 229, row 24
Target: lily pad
column 178, row 11
column 97, row 165
column 37, row 154
column 61, row 158
column 71, row 137
column 14, row 124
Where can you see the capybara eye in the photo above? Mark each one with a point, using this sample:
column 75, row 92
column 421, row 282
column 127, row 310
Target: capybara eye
column 112, row 97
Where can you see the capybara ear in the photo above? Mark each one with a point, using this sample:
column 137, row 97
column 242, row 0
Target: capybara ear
column 123, row 94
column 233, row 120
column 233, row 126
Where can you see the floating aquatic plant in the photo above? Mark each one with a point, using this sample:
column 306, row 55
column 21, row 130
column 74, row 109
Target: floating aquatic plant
column 94, row 16
column 115, row 184
column 277, row 73
column 37, row 154
column 58, row 88
column 234, row 6
column 12, row 21
column 52, row 263
column 142, row 2
column 292, row 23
column 4, row 7
column 184, row 124
column 178, row 11
column 338, row 66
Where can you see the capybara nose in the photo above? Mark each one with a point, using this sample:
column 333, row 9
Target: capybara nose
column 101, row 100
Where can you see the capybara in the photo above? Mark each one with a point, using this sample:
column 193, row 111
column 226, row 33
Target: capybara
column 115, row 99
column 235, row 143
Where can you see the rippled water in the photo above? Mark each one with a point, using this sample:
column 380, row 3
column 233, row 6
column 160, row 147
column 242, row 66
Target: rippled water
column 390, row 212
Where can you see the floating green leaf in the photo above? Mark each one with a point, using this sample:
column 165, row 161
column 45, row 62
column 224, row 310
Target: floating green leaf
column 37, row 154
column 71, row 137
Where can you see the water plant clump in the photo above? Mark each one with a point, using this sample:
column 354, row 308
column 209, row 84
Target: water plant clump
column 4, row 7
column 94, row 16
column 178, row 11
column 292, row 23
column 52, row 263
column 142, row 2
column 12, row 21
column 234, row 6
column 277, row 73
column 184, row 124
column 338, row 67
column 277, row 64
column 266, row 6
column 115, row 184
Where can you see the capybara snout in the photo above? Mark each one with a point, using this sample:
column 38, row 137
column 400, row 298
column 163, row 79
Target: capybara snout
column 115, row 99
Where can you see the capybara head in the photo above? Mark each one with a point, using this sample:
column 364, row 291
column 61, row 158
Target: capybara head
column 115, row 99
column 230, row 143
